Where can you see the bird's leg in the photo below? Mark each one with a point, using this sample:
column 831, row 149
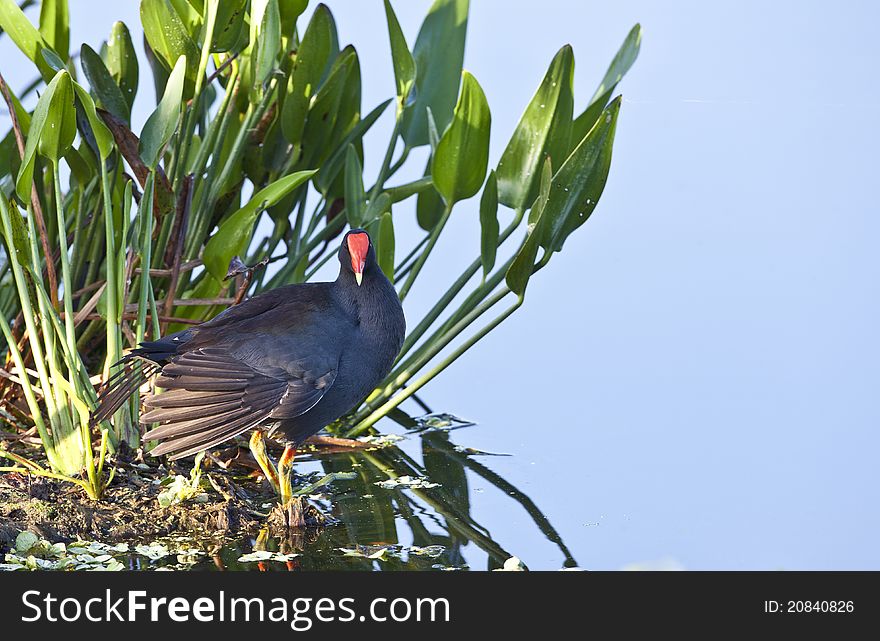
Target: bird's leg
column 258, row 449
column 285, row 474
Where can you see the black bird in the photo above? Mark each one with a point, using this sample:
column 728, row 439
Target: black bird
column 295, row 358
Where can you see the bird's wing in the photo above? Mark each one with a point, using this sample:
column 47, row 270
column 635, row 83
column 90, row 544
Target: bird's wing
column 213, row 395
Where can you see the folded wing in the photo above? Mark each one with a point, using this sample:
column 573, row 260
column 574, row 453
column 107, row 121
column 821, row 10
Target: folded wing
column 213, row 396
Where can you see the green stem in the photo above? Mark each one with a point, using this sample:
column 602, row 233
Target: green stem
column 432, row 240
column 402, row 375
column 70, row 329
column 386, row 162
column 145, row 214
column 114, row 337
column 441, row 305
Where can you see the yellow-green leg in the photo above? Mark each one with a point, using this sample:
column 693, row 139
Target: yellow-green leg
column 285, row 474
column 258, row 449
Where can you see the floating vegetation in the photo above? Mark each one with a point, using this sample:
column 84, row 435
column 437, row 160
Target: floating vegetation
column 413, row 483
column 266, row 555
column 387, row 552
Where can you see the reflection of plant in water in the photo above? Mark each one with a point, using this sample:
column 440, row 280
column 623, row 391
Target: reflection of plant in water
column 436, row 516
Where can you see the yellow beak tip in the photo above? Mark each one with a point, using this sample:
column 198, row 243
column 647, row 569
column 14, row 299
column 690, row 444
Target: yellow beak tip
column 359, row 277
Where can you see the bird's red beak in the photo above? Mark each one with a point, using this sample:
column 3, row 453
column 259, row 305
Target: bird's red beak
column 358, row 246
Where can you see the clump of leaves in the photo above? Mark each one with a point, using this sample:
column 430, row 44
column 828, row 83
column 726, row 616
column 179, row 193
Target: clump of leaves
column 254, row 154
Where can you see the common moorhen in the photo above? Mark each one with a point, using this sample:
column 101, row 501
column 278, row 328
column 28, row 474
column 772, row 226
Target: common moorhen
column 296, row 358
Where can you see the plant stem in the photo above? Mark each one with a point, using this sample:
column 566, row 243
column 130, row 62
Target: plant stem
column 432, row 240
column 389, row 405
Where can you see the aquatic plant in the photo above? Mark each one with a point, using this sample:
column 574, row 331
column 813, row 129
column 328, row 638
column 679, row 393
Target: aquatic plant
column 254, row 155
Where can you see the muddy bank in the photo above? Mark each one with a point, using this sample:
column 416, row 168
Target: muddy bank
column 228, row 503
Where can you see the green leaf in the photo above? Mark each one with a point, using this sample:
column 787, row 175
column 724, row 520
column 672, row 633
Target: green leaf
column 404, row 65
column 489, row 224
column 162, row 123
column 101, row 134
column 385, row 250
column 330, row 169
column 25, row 36
column 290, row 10
column 439, row 55
column 462, row 155
column 59, row 130
column 543, row 130
column 230, row 24
column 39, row 120
column 189, row 15
column 320, row 134
column 523, row 265
column 580, row 181
column 622, row 62
column 265, row 38
column 235, row 232
column 316, row 51
column 19, row 235
column 168, row 36
column 375, row 209
column 355, row 197
column 122, row 63
column 103, row 85
column 55, row 25
column 429, row 205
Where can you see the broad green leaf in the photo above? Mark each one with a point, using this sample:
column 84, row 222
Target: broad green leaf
column 349, row 113
column 404, row 65
column 429, row 205
column 162, row 123
column 328, row 105
column 265, row 38
column 189, row 16
column 81, row 170
column 523, row 265
column 462, row 155
column 159, row 73
column 439, row 55
column 99, row 131
column 313, row 56
column 429, row 209
column 355, row 198
column 385, row 250
column 433, row 134
column 375, row 209
column 53, row 59
column 489, row 224
column 543, row 130
column 55, row 25
column 59, row 130
column 235, row 232
column 580, row 181
column 168, row 36
column 103, row 85
column 333, row 165
column 52, row 130
column 122, row 63
column 230, row 24
column 290, row 10
column 622, row 62
column 25, row 36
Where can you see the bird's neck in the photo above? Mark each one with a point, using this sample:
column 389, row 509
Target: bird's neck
column 374, row 301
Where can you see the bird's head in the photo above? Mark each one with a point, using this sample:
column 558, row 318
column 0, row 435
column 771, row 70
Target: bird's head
column 356, row 253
